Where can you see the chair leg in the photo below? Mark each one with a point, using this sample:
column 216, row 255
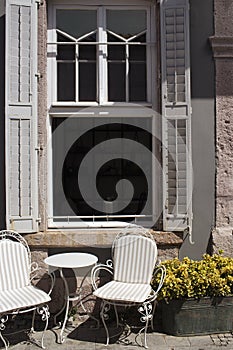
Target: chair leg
column 44, row 312
column 105, row 307
column 62, row 337
column 152, row 314
column 33, row 321
column 117, row 317
column 146, row 310
column 3, row 320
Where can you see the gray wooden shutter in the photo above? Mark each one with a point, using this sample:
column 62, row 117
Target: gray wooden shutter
column 21, row 115
column 176, row 115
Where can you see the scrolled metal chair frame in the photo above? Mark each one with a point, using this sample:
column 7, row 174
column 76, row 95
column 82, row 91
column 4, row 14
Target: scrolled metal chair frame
column 42, row 309
column 146, row 308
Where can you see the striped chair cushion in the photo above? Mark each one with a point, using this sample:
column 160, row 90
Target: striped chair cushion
column 14, row 265
column 134, row 259
column 21, row 298
column 120, row 291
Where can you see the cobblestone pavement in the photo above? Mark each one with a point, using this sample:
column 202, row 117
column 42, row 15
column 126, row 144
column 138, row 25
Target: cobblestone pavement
column 86, row 337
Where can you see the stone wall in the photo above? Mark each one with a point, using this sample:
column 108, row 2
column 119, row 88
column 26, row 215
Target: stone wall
column 222, row 44
column 2, row 112
column 42, row 112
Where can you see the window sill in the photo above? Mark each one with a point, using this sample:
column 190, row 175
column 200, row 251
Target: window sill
column 88, row 225
column 96, row 104
column 93, row 238
column 117, row 110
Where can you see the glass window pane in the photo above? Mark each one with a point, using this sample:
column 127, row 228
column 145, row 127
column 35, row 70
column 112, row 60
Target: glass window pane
column 65, row 81
column 88, row 52
column 65, row 52
column 137, row 72
column 126, row 22
column 137, row 82
column 137, row 53
column 116, row 82
column 115, row 52
column 87, row 70
column 87, row 81
column 69, row 152
column 76, row 22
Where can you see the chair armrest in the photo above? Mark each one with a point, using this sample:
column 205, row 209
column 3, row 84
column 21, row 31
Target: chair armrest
column 52, row 277
column 160, row 268
column 107, row 267
column 34, row 270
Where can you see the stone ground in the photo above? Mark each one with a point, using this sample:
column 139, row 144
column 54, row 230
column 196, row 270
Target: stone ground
column 85, row 336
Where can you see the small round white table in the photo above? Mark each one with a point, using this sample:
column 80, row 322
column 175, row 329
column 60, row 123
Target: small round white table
column 80, row 263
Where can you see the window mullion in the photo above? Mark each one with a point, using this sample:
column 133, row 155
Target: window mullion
column 150, row 54
column 76, row 72
column 127, row 72
column 102, row 56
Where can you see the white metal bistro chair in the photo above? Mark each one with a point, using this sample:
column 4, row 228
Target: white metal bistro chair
column 134, row 254
column 17, row 294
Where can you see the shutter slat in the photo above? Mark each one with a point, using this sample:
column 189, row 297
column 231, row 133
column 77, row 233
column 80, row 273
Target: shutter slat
column 21, row 115
column 176, row 114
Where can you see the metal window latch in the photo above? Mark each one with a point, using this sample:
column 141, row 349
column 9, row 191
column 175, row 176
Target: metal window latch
column 189, row 229
column 39, row 149
column 189, row 232
column 38, row 75
column 39, row 2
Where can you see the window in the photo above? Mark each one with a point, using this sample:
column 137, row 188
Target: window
column 102, row 54
column 101, row 170
column 102, row 66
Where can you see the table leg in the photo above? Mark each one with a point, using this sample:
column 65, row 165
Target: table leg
column 79, row 298
column 67, row 299
column 53, row 278
column 65, row 306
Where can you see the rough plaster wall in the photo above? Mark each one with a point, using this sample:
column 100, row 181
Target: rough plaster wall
column 223, row 17
column 2, row 113
column 222, row 235
column 42, row 112
column 224, row 161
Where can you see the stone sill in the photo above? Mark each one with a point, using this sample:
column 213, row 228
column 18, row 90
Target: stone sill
column 222, row 46
column 92, row 238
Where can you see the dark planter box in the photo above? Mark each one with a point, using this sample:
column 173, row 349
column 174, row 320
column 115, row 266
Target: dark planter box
column 197, row 316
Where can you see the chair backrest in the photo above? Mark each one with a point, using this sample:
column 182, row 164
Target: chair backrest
column 14, row 261
column 134, row 257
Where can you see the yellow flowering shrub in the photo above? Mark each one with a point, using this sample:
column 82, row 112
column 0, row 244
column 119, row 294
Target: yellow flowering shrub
column 211, row 276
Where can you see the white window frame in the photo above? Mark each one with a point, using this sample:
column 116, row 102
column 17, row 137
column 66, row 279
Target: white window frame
column 66, row 109
column 102, row 74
